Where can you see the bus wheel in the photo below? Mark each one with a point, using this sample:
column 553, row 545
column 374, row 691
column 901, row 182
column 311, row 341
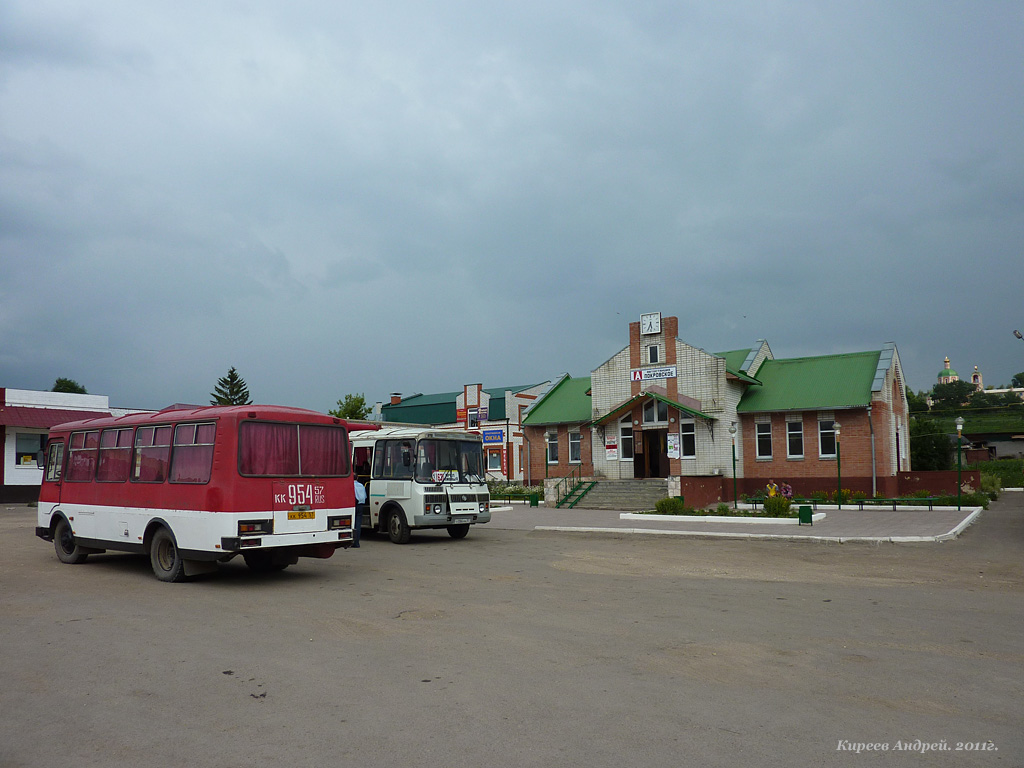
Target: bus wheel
column 165, row 558
column 64, row 543
column 458, row 531
column 398, row 529
column 262, row 562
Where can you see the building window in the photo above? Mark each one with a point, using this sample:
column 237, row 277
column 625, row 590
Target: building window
column 652, row 354
column 575, row 444
column 764, row 440
column 552, row 447
column 688, row 440
column 626, row 438
column 27, row 447
column 655, row 411
column 472, row 418
column 826, row 439
column 494, row 461
column 794, row 439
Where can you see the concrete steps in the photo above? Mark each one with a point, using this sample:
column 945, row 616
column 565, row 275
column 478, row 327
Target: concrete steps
column 625, row 495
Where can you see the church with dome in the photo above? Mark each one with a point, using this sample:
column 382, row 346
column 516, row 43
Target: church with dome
column 947, row 376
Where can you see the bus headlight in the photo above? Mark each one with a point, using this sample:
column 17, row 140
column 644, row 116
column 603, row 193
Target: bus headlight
column 437, row 509
column 483, row 506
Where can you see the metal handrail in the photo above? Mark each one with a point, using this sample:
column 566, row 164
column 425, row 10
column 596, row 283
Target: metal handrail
column 575, row 475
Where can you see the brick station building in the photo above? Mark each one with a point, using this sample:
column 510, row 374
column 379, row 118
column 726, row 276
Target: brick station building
column 662, row 408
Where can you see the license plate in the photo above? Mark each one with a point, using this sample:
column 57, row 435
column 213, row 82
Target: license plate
column 304, row 514
column 462, row 520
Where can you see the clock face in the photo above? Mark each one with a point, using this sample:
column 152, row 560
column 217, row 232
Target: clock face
column 650, row 322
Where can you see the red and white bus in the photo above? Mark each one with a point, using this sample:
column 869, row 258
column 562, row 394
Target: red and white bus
column 199, row 485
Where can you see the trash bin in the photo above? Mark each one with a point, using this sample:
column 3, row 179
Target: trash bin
column 534, row 499
column 805, row 516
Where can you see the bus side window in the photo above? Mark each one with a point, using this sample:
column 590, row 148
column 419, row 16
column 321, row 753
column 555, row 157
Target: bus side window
column 54, row 461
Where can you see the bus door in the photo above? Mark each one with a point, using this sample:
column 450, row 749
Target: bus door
column 393, row 466
column 53, row 468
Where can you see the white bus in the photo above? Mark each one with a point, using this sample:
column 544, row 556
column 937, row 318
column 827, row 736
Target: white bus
column 421, row 478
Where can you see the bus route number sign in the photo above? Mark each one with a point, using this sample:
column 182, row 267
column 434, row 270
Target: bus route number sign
column 292, row 495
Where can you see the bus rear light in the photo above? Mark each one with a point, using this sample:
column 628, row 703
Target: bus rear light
column 252, row 543
column 339, row 522
column 249, row 527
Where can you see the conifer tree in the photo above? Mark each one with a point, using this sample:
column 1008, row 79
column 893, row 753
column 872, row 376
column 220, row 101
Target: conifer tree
column 230, row 390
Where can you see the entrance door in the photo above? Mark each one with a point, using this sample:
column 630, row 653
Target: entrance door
column 654, row 460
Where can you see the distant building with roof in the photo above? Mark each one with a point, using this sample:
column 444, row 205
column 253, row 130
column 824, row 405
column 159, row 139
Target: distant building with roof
column 494, row 412
column 947, row 375
column 26, row 416
column 661, row 408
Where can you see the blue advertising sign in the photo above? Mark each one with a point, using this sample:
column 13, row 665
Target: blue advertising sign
column 494, row 436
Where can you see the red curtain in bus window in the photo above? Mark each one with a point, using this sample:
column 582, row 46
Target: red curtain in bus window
column 324, row 451
column 82, row 454
column 115, row 455
column 152, row 454
column 268, row 449
column 193, row 453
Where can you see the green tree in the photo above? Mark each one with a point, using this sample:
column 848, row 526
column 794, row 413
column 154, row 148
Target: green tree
column 930, row 448
column 1017, row 380
column 352, row 407
column 68, row 385
column 916, row 402
column 952, row 396
column 230, row 390
column 984, row 400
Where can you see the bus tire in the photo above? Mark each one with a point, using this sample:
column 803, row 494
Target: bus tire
column 458, row 531
column 164, row 556
column 65, row 544
column 398, row 529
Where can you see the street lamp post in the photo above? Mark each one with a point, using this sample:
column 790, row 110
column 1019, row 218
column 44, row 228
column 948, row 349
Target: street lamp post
column 839, row 468
column 732, row 431
column 959, row 485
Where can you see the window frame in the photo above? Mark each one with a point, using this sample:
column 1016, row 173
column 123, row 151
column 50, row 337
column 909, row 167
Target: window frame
column 763, row 429
column 579, row 446
column 790, row 435
column 687, row 435
column 822, row 432
column 551, row 440
column 495, row 454
column 626, row 423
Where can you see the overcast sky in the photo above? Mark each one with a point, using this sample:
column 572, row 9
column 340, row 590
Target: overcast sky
column 341, row 197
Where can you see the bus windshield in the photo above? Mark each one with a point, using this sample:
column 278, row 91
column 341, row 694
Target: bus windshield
column 449, row 461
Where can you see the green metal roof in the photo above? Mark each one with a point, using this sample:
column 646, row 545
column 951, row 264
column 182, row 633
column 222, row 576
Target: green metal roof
column 623, row 407
column 440, row 408
column 807, row 383
column 565, row 403
column 734, row 364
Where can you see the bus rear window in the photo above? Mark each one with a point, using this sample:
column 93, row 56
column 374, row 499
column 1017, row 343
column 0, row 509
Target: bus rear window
column 271, row 449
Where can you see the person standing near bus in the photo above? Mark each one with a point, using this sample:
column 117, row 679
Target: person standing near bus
column 357, row 520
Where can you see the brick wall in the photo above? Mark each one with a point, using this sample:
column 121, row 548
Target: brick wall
column 536, row 438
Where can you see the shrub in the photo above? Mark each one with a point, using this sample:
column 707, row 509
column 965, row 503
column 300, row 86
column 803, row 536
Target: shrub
column 723, row 508
column 1009, row 471
column 673, row 505
column 991, row 484
column 858, row 495
column 819, row 496
column 845, row 495
column 776, row 506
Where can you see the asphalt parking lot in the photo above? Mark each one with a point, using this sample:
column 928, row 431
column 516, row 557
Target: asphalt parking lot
column 518, row 647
